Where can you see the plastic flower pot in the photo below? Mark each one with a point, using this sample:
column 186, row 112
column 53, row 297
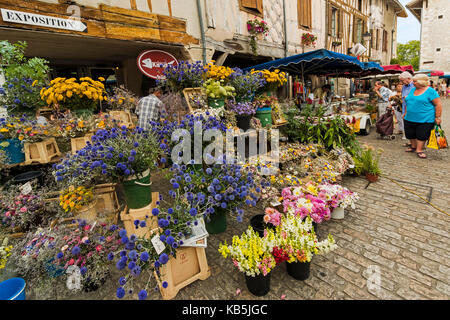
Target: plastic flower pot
column 337, row 213
column 258, row 224
column 14, row 151
column 243, row 121
column 258, row 285
column 217, row 223
column 137, row 189
column 216, row 103
column 265, row 116
column 28, row 176
column 12, row 289
column 298, row 270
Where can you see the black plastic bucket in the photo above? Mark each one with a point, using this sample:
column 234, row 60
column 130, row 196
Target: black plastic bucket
column 299, row 270
column 258, row 285
column 258, row 224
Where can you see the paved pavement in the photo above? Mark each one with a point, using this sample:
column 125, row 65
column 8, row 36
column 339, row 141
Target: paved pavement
column 392, row 234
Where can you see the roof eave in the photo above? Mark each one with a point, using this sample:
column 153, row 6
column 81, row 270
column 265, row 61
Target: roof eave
column 415, row 7
column 402, row 11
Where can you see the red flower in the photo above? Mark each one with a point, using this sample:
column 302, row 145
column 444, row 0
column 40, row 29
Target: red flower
column 279, row 255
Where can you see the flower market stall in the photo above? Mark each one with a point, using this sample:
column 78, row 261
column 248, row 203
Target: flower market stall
column 120, row 204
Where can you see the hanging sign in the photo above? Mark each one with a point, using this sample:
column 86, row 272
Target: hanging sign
column 153, row 62
column 42, row 21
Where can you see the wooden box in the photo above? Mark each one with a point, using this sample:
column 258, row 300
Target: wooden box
column 80, row 143
column 41, row 152
column 190, row 94
column 123, row 117
column 128, row 216
column 190, row 265
column 107, row 201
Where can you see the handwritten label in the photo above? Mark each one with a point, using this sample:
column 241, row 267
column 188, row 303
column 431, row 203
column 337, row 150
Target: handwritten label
column 26, row 188
column 158, row 244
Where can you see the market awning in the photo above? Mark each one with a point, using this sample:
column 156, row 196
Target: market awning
column 396, row 68
column 318, row 62
column 445, row 76
column 369, row 69
column 431, row 73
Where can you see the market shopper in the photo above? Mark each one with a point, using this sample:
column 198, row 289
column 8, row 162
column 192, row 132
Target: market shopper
column 423, row 110
column 443, row 88
column 149, row 108
column 323, row 92
column 396, row 103
column 406, row 79
column 383, row 94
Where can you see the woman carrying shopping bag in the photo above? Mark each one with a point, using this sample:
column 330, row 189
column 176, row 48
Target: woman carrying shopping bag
column 396, row 103
column 423, row 111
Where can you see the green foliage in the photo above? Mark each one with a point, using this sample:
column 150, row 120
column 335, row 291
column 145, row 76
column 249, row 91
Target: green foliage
column 24, row 78
column 408, row 54
column 367, row 161
column 309, row 126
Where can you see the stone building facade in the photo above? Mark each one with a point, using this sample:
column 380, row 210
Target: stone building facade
column 434, row 16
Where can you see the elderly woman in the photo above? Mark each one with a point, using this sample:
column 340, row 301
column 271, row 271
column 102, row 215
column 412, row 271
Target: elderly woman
column 423, row 110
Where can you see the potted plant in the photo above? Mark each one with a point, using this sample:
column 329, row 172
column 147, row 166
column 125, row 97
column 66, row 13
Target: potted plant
column 257, row 29
column 116, row 155
column 367, row 162
column 184, row 75
column 80, row 202
column 244, row 112
column 296, row 243
column 252, row 255
column 82, row 96
column 217, row 92
column 338, row 198
column 246, row 84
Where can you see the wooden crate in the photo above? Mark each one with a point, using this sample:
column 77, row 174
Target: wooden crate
column 80, row 143
column 107, row 201
column 41, row 152
column 128, row 216
column 189, row 93
column 189, row 266
column 123, row 117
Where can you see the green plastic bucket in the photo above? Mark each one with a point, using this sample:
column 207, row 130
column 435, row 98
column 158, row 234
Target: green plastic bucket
column 216, row 103
column 265, row 116
column 137, row 189
column 218, row 221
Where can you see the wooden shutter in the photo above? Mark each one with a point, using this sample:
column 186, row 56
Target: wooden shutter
column 254, row 6
column 378, row 39
column 355, row 29
column 259, row 6
column 309, row 13
column 250, row 4
column 385, row 40
column 372, row 40
column 330, row 13
column 340, row 23
column 304, row 13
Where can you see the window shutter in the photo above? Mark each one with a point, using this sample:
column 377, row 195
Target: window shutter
column 309, row 13
column 251, row 4
column 259, row 6
column 341, row 23
column 330, row 13
column 372, row 40
column 355, row 29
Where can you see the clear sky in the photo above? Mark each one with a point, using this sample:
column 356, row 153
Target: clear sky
column 408, row 28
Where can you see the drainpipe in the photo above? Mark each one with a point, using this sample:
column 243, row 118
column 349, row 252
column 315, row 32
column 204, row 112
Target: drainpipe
column 285, row 30
column 202, row 30
column 392, row 42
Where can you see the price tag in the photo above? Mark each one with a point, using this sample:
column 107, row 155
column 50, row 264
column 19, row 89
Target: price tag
column 26, row 188
column 275, row 203
column 3, row 112
column 158, row 244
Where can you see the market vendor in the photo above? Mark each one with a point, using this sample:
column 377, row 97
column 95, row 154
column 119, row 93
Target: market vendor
column 149, row 107
column 383, row 94
column 323, row 92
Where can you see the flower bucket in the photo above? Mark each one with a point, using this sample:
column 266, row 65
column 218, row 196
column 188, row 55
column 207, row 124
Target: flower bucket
column 28, row 176
column 13, row 150
column 88, row 213
column 337, row 213
column 243, row 122
column 258, row 224
column 12, row 289
column 258, row 285
column 216, row 103
column 217, row 223
column 371, row 177
column 265, row 116
column 298, row 270
column 138, row 192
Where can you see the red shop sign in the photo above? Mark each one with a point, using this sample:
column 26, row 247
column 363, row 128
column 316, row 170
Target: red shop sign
column 153, row 62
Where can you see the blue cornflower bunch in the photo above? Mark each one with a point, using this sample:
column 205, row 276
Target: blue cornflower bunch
column 184, row 75
column 138, row 254
column 242, row 108
column 113, row 155
column 246, row 84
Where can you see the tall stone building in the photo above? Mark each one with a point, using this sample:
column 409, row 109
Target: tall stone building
column 434, row 16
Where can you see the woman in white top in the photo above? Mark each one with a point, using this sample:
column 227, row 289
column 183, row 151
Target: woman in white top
column 443, row 88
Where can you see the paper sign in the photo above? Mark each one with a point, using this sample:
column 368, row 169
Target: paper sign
column 158, row 244
column 3, row 113
column 26, row 188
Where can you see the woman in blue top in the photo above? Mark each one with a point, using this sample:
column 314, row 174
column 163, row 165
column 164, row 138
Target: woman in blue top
column 423, row 110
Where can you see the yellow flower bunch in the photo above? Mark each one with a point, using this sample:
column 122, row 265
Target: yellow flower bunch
column 73, row 199
column 218, row 72
column 251, row 253
column 5, row 252
column 285, row 181
column 62, row 90
column 275, row 78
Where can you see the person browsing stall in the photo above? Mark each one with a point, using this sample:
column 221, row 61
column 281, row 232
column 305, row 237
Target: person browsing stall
column 396, row 103
column 406, row 79
column 423, row 110
column 149, row 108
column 383, row 94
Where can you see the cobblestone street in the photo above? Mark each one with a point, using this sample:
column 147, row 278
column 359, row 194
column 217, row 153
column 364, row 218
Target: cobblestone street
column 392, row 232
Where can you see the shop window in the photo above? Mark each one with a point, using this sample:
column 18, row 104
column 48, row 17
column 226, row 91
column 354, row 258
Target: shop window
column 438, row 49
column 252, row 6
column 440, row 17
column 304, row 14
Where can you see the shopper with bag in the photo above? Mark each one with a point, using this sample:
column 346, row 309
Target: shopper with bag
column 383, row 94
column 397, row 105
column 423, row 110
